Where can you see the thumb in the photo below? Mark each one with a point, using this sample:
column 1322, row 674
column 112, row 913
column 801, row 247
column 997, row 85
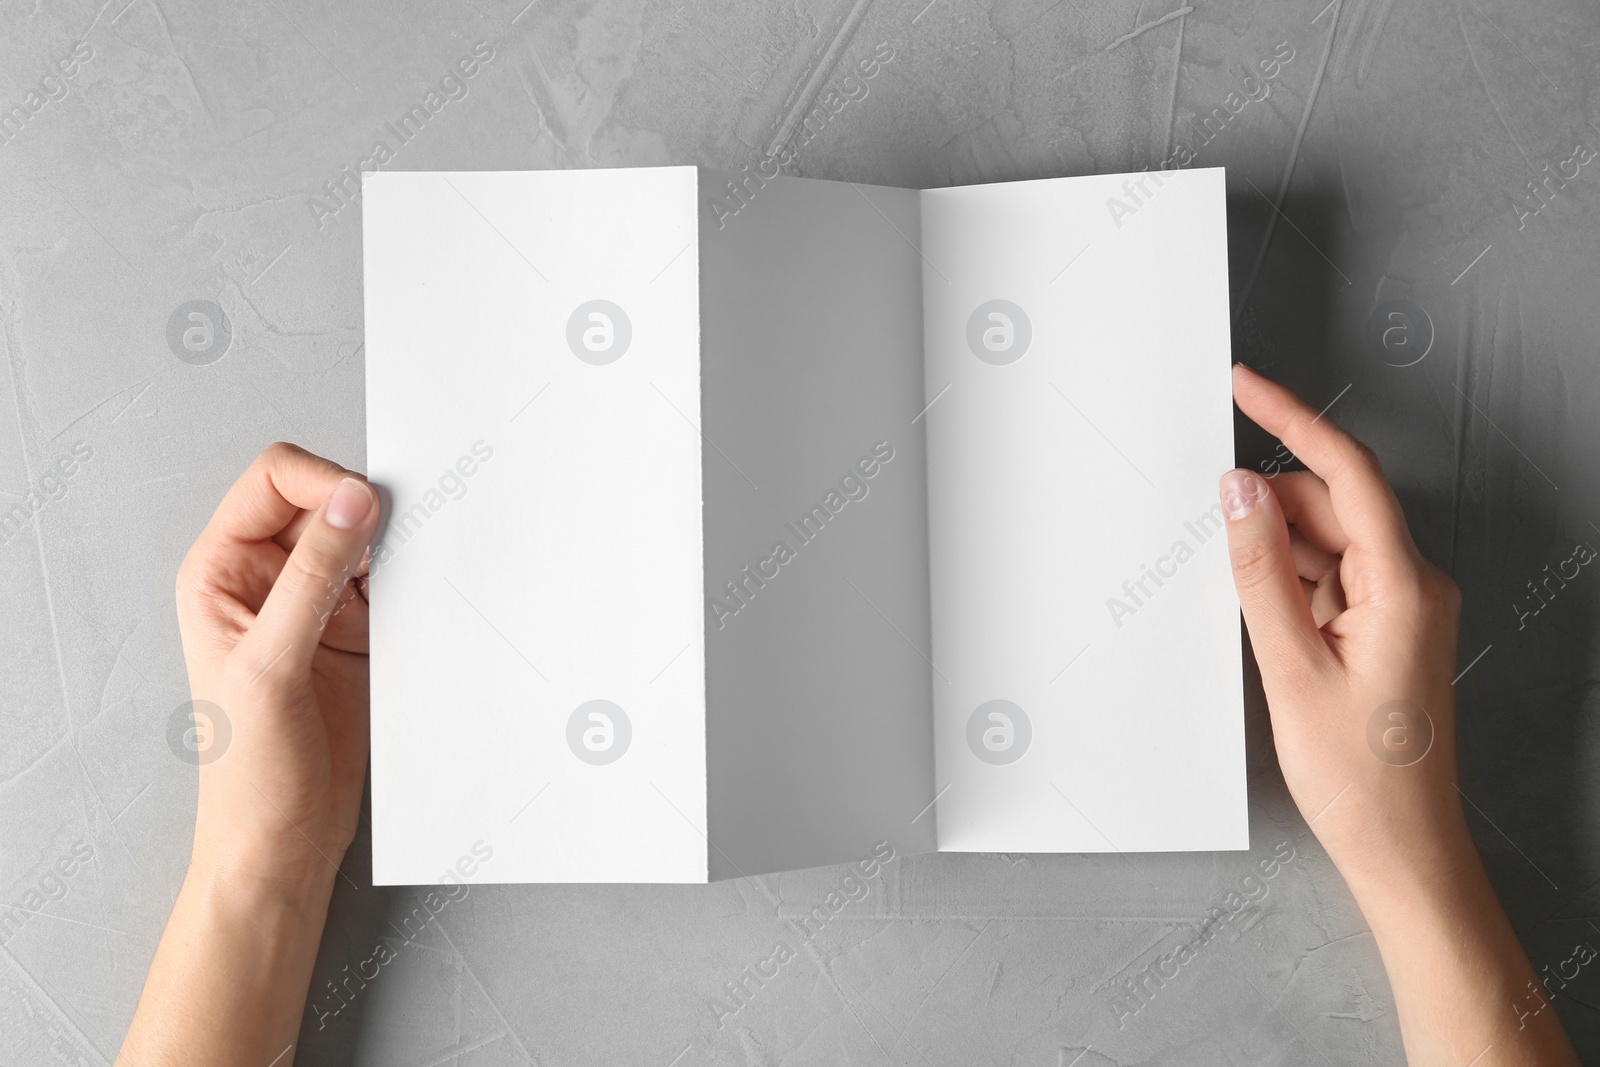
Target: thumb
column 1282, row 631
column 315, row 579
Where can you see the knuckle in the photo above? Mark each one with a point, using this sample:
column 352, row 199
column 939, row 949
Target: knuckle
column 1294, row 432
column 1444, row 595
column 1452, row 595
column 314, row 565
column 1417, row 593
column 1296, row 426
column 1347, row 454
column 1365, row 458
column 196, row 579
column 1253, row 566
column 1351, row 457
column 277, row 452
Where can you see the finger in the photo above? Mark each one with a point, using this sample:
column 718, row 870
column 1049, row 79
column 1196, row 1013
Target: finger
column 282, row 482
column 1362, row 500
column 1274, row 605
column 1327, row 600
column 1308, row 506
column 347, row 629
column 315, row 581
column 1310, row 562
column 289, row 536
column 259, row 567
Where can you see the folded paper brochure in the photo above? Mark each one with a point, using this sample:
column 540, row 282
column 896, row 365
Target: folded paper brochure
column 725, row 543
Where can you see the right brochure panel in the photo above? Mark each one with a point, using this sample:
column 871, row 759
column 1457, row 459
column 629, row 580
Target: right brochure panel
column 1087, row 683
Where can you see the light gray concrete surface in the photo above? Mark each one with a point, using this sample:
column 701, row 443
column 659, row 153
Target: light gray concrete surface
column 192, row 155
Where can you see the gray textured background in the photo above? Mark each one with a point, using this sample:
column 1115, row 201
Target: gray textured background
column 1387, row 162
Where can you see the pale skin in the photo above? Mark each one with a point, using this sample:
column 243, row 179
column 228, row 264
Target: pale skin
column 1344, row 617
column 274, row 628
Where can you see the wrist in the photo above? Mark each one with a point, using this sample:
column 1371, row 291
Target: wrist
column 228, row 983
column 1437, row 870
column 263, row 873
column 1389, row 841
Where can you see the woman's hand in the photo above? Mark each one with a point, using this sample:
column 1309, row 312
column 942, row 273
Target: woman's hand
column 1355, row 634
column 274, row 622
column 274, row 625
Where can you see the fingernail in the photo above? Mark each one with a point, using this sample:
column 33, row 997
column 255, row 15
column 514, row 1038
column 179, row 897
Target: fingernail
column 349, row 505
column 1240, row 491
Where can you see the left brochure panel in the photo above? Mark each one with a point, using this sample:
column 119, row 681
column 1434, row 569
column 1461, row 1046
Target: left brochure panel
column 538, row 648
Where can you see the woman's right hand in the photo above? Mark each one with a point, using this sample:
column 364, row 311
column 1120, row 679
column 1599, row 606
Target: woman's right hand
column 1356, row 637
column 1355, row 634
